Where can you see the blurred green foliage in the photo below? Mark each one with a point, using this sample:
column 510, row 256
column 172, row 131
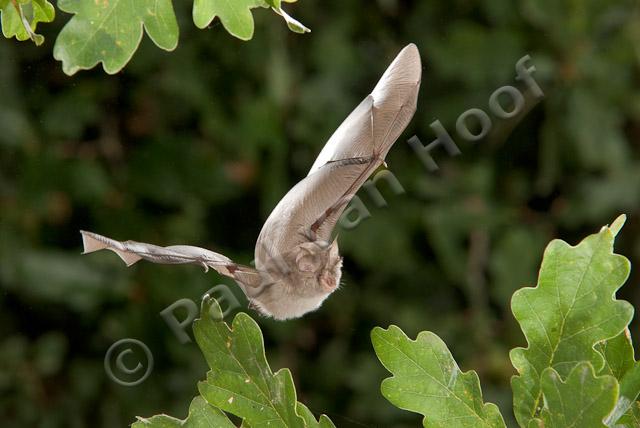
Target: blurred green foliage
column 197, row 146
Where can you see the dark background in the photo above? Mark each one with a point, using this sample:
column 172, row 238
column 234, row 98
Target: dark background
column 197, row 146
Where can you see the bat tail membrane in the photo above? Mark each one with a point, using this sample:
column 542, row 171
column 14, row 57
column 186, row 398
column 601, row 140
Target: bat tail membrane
column 93, row 242
column 131, row 252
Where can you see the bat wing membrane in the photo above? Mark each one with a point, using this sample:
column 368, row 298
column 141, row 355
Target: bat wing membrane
column 388, row 108
column 311, row 209
column 291, row 222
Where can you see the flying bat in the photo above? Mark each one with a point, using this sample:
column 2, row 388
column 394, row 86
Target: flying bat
column 297, row 263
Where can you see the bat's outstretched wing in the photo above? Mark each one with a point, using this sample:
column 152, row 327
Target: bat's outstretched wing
column 312, row 208
column 131, row 252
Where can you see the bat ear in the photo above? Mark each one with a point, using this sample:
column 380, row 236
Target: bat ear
column 333, row 249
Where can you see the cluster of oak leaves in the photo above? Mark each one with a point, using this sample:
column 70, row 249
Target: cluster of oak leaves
column 578, row 369
column 110, row 31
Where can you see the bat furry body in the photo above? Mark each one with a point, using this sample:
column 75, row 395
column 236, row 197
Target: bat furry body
column 297, row 264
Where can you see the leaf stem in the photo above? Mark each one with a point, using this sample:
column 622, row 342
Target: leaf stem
column 25, row 22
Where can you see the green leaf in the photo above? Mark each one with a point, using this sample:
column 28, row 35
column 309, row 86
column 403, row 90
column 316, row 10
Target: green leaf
column 428, row 381
column 240, row 381
column 20, row 18
column 571, row 309
column 617, row 354
column 620, row 363
column 629, row 391
column 583, row 401
column 293, row 24
column 109, row 31
column 201, row 415
column 631, row 419
column 310, row 420
column 235, row 15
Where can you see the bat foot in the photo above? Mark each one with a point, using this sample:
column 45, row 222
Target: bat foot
column 205, row 266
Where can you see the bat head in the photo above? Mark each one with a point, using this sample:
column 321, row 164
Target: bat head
column 300, row 280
